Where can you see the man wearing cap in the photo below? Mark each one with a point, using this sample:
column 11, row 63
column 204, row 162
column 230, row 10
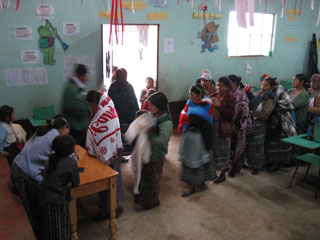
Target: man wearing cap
column 207, row 82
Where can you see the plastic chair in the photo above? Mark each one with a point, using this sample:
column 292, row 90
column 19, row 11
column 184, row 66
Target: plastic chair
column 40, row 115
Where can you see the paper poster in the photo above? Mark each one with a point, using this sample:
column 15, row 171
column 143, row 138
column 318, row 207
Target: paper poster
column 22, row 33
column 29, row 56
column 26, row 76
column 70, row 29
column 168, row 45
column 70, row 61
column 248, row 68
column 45, row 11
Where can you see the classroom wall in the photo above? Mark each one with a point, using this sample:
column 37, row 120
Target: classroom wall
column 176, row 70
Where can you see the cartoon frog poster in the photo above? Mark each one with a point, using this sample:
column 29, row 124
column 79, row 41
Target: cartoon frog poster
column 209, row 36
column 46, row 43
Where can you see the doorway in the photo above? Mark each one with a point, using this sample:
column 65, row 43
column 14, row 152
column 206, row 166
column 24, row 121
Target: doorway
column 138, row 54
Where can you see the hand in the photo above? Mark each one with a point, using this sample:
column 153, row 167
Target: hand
column 75, row 156
column 215, row 101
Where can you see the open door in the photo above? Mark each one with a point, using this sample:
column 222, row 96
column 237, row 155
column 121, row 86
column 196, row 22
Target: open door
column 138, row 54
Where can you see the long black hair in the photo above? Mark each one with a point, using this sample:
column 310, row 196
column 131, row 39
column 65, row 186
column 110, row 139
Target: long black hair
column 93, row 96
column 58, row 123
column 62, row 146
column 301, row 77
column 6, row 113
column 121, row 79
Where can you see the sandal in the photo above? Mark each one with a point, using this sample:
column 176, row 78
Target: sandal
column 187, row 194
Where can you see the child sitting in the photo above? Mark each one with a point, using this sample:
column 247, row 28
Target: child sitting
column 149, row 84
column 62, row 174
column 8, row 139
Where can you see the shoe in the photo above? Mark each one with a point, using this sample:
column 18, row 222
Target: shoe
column 106, row 215
column 124, row 160
column 187, row 194
column 220, row 179
column 148, row 207
column 255, row 171
column 231, row 173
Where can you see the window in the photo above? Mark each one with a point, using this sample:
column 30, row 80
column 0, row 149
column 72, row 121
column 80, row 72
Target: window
column 250, row 41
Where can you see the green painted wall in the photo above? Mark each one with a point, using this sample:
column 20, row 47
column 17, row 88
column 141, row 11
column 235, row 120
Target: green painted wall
column 176, row 71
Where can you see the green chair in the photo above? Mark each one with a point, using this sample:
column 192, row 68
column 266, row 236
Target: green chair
column 40, row 115
column 310, row 158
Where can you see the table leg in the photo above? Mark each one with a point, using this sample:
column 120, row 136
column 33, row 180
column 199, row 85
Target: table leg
column 73, row 216
column 113, row 206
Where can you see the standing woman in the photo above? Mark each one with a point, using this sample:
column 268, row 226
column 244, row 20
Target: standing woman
column 299, row 97
column 314, row 105
column 159, row 137
column 223, row 126
column 281, row 125
column 125, row 102
column 28, row 167
column 261, row 108
column 196, row 143
column 242, row 124
column 104, row 142
column 61, row 174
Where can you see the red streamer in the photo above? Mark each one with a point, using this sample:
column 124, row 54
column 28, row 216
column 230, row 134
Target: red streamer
column 121, row 21
column 18, row 4
column 2, row 4
column 265, row 9
column 114, row 19
column 300, row 8
column 111, row 21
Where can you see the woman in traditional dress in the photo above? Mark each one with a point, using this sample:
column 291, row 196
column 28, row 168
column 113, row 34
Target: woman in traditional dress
column 159, row 137
column 196, row 143
column 28, row 167
column 242, row 125
column 299, row 97
column 223, row 126
column 104, row 142
column 261, row 108
column 281, row 125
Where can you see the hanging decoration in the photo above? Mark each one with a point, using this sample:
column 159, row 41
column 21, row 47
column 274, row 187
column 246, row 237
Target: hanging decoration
column 260, row 3
column 300, row 8
column 218, row 5
column 132, row 6
column 203, row 7
column 209, row 36
column 8, row 4
column 2, row 4
column 240, row 8
column 114, row 19
column 312, row 5
column 318, row 22
column 283, row 6
column 266, row 5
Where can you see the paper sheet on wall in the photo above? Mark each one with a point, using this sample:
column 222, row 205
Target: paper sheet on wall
column 248, row 68
column 29, row 56
column 168, row 45
column 70, row 61
column 45, row 11
column 70, row 29
column 22, row 33
column 26, row 76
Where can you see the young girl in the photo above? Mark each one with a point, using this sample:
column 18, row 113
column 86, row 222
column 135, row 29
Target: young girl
column 61, row 174
column 8, row 139
column 146, row 103
column 159, row 136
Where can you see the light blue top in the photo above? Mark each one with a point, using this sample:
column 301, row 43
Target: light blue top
column 35, row 154
column 3, row 137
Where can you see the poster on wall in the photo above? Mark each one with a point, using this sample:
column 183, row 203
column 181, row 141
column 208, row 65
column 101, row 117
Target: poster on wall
column 26, row 76
column 70, row 29
column 22, row 33
column 70, row 61
column 45, row 11
column 209, row 36
column 29, row 56
column 168, row 45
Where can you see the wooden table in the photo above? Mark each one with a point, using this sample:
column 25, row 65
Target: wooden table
column 96, row 177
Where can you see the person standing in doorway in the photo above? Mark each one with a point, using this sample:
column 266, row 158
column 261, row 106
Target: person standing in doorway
column 125, row 101
column 149, row 85
column 74, row 107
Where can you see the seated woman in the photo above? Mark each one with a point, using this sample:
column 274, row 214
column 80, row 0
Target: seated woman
column 299, row 97
column 196, row 143
column 314, row 105
column 28, row 167
column 104, row 142
column 223, row 126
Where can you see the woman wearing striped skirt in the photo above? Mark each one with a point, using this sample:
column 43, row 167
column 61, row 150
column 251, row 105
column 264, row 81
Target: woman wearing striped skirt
column 29, row 165
column 61, row 174
column 195, row 147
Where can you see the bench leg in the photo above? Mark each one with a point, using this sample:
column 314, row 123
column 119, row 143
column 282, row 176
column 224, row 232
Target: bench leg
column 318, row 183
column 309, row 164
column 294, row 174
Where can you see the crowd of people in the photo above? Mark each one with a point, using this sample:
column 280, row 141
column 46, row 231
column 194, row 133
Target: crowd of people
column 225, row 126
